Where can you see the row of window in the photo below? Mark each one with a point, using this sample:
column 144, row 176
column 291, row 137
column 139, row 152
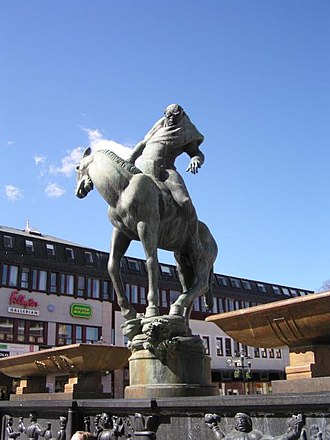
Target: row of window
column 228, row 348
column 9, row 243
column 261, row 287
column 35, row 332
column 55, row 282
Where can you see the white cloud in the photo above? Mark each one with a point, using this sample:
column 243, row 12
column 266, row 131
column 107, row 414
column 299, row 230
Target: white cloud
column 39, row 160
column 54, row 190
column 13, row 192
column 98, row 142
column 68, row 162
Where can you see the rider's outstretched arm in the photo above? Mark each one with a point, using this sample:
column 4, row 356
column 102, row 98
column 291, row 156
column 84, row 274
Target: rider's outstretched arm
column 197, row 158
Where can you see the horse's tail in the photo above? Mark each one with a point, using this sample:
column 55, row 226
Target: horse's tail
column 209, row 294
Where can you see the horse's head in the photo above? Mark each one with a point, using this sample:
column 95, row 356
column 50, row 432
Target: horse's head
column 84, row 182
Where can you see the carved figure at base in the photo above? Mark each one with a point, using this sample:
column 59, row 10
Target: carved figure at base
column 61, row 435
column 243, row 429
column 155, row 208
column 34, row 430
column 10, row 431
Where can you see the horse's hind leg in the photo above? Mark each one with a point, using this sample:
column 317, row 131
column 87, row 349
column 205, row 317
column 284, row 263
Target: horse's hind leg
column 119, row 245
column 149, row 237
column 186, row 277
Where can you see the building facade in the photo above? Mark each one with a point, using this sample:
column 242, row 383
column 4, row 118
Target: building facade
column 54, row 293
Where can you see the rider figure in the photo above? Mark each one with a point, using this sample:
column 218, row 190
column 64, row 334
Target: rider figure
column 171, row 136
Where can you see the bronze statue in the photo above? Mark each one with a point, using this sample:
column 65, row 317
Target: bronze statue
column 155, row 208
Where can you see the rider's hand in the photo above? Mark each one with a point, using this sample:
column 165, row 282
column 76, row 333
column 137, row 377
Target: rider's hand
column 194, row 165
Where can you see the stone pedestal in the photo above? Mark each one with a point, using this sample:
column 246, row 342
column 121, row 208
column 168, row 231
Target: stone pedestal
column 180, row 373
column 309, row 361
column 28, row 385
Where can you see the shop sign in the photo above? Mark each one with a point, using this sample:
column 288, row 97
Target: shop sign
column 4, row 354
column 81, row 311
column 19, row 303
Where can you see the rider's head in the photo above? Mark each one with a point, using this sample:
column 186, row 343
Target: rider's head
column 173, row 114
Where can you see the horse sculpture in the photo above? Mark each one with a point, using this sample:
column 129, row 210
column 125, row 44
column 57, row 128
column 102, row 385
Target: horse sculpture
column 140, row 208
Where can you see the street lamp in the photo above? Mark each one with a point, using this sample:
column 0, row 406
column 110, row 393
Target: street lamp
column 242, row 367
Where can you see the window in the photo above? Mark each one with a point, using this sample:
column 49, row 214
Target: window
column 206, row 343
column 50, row 250
column 230, row 305
column 286, row 291
column 88, row 257
column 237, row 305
column 276, row 290
column 174, row 294
column 219, row 306
column 222, row 281
column 264, row 352
column 237, row 349
column 69, row 254
column 8, row 242
column 81, row 286
column 25, row 275
column 261, row 287
column 24, row 331
column 76, row 334
column 39, row 280
column 143, row 295
column 6, row 329
column 278, row 353
column 293, row 292
column 9, row 275
column 53, row 279
column 93, row 288
column 246, row 284
column 133, row 264
column 163, row 298
column 165, row 270
column 256, row 352
column 196, row 305
column 134, row 294
column 219, row 345
column 228, row 347
column 235, row 283
column 29, row 246
column 271, row 353
column 67, row 284
column 107, row 293
column 245, row 350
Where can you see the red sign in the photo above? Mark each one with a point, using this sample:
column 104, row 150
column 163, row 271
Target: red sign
column 18, row 299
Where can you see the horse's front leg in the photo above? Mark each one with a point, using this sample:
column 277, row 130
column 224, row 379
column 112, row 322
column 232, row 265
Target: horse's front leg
column 119, row 245
column 149, row 238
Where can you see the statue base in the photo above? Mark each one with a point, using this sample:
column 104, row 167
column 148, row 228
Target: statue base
column 178, row 372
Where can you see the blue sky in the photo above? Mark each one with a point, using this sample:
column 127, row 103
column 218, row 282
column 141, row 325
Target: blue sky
column 252, row 75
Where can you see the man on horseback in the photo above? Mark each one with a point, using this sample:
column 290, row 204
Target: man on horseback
column 171, row 136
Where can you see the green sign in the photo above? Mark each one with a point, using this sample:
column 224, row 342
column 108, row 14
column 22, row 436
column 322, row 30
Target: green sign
column 81, row 311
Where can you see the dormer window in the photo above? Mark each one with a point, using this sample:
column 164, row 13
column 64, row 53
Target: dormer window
column 88, row 257
column 29, row 246
column 50, row 250
column 8, row 242
column 69, row 253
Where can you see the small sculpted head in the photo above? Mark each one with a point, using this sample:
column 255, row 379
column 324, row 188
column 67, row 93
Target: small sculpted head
column 243, row 422
column 84, row 182
column 105, row 421
column 173, row 114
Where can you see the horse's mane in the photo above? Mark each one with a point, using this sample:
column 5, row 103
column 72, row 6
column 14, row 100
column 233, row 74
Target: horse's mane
column 121, row 162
